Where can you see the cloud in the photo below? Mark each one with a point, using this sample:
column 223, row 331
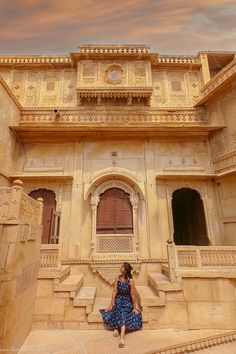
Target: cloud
column 43, row 26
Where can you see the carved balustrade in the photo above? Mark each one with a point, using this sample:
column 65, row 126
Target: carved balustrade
column 175, row 59
column 34, row 59
column 200, row 258
column 17, row 206
column 76, row 116
column 50, row 256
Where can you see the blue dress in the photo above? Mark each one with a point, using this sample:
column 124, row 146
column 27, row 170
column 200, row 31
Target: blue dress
column 122, row 312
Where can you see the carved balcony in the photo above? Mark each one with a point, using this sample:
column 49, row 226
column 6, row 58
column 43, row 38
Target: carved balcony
column 101, row 94
column 218, row 84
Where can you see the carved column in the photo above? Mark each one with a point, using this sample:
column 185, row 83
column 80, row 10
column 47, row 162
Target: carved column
column 134, row 202
column 40, row 200
column 94, row 204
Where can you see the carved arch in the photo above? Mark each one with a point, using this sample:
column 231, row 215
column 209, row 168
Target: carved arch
column 95, row 192
column 115, row 174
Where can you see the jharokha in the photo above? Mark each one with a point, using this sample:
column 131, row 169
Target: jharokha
column 110, row 154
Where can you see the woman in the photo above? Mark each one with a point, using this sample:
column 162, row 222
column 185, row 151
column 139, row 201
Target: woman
column 123, row 311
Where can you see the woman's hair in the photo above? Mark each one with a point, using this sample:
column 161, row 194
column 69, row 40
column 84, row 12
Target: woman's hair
column 128, row 269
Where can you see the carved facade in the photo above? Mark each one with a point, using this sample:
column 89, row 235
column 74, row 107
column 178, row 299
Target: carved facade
column 160, row 128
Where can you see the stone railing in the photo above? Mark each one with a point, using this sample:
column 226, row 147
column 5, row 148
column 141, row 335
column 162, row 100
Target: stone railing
column 50, row 256
column 113, row 48
column 17, row 206
column 34, row 59
column 76, row 116
column 204, row 259
column 217, row 82
column 175, row 59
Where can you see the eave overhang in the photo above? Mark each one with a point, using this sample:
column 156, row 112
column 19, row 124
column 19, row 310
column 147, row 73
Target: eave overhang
column 52, row 134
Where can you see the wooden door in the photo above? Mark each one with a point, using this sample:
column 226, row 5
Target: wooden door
column 49, row 205
column 114, row 213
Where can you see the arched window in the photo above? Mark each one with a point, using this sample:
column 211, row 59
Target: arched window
column 114, row 213
column 189, row 218
column 51, row 218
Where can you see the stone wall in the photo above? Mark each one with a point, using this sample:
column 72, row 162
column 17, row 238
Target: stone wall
column 223, row 147
column 20, row 238
column 9, row 115
column 139, row 163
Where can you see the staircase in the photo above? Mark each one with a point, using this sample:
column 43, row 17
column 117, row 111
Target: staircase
column 80, row 305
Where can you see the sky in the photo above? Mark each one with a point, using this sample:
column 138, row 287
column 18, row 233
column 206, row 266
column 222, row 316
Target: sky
column 168, row 26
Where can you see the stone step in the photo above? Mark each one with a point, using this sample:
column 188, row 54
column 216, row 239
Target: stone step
column 100, row 303
column 165, row 270
column 85, row 297
column 159, row 282
column 147, row 297
column 57, row 274
column 72, row 284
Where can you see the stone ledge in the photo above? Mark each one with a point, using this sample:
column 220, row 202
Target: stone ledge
column 196, row 345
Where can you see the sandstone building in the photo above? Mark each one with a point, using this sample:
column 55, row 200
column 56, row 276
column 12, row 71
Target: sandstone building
column 134, row 156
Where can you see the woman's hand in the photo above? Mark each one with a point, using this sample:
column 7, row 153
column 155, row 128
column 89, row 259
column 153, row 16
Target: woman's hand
column 109, row 308
column 136, row 310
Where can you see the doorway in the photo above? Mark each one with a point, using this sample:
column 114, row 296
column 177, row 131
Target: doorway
column 51, row 219
column 189, row 218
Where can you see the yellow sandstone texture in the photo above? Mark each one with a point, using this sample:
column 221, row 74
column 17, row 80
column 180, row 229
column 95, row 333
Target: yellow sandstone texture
column 134, row 156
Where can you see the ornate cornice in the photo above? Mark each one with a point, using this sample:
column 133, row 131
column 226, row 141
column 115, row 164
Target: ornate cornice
column 225, row 156
column 188, row 175
column 113, row 48
column 112, row 261
column 36, row 176
column 35, row 60
column 217, row 84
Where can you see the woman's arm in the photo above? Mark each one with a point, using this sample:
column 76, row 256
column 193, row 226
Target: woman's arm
column 114, row 291
column 134, row 295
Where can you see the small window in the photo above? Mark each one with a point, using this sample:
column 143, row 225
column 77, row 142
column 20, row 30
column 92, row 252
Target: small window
column 114, row 74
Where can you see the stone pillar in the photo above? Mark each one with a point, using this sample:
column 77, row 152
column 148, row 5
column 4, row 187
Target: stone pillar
column 40, row 200
column 205, row 72
column 153, row 240
column 74, row 236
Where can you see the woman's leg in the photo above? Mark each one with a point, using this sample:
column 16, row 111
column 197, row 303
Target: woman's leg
column 122, row 331
column 116, row 332
column 122, row 337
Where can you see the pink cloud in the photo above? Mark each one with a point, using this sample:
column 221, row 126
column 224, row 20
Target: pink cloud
column 59, row 25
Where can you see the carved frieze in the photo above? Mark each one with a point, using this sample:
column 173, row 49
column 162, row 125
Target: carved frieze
column 110, row 270
column 80, row 116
